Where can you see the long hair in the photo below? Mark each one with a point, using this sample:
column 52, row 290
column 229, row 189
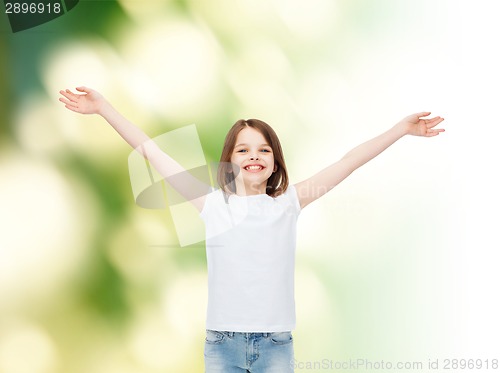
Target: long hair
column 277, row 182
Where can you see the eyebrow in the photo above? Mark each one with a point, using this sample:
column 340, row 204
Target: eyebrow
column 247, row 145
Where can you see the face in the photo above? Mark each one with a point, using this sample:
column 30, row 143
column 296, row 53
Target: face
column 254, row 159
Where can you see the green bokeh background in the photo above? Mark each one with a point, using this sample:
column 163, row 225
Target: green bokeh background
column 399, row 263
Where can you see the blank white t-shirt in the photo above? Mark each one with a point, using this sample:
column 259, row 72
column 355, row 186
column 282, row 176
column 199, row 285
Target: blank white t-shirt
column 250, row 245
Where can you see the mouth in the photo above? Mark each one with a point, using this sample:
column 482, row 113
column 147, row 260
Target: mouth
column 253, row 168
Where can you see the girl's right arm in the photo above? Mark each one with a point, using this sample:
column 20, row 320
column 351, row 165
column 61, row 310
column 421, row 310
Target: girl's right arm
column 92, row 102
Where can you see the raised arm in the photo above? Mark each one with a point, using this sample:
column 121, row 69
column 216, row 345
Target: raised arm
column 316, row 186
column 92, row 102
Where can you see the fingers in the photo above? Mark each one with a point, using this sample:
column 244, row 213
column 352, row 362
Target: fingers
column 72, row 108
column 69, row 99
column 83, row 89
column 423, row 114
column 68, row 94
column 430, row 123
column 68, row 102
column 73, row 97
column 431, row 132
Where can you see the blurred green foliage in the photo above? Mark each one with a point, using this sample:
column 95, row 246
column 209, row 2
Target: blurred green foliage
column 314, row 73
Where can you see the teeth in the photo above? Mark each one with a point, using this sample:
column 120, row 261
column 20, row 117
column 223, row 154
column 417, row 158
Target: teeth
column 253, row 168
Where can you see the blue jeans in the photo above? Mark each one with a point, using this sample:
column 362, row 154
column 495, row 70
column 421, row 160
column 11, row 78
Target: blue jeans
column 235, row 352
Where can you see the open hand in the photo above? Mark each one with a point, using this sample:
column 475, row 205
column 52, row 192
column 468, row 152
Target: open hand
column 90, row 102
column 417, row 126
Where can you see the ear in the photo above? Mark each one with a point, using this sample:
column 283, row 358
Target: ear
column 275, row 168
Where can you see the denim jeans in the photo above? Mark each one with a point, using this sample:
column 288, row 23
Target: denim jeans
column 236, row 352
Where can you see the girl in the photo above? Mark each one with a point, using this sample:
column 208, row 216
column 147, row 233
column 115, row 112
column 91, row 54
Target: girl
column 250, row 230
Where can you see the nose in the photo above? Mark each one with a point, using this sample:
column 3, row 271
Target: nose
column 254, row 158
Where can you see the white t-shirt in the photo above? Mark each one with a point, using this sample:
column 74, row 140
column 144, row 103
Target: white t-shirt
column 250, row 243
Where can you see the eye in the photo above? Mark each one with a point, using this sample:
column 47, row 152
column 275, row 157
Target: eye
column 241, row 151
column 266, row 150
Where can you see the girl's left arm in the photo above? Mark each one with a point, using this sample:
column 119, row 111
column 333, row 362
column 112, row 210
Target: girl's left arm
column 316, row 186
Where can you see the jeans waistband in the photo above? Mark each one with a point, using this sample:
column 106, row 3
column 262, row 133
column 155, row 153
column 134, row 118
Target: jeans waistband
column 247, row 334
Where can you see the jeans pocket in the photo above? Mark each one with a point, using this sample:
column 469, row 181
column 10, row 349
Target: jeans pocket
column 281, row 338
column 214, row 337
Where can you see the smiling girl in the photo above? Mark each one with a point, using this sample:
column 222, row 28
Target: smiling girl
column 251, row 230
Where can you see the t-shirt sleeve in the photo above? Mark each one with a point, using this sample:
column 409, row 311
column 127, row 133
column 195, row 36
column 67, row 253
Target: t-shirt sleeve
column 292, row 196
column 209, row 203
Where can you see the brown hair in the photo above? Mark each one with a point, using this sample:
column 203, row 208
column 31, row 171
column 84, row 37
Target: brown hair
column 277, row 182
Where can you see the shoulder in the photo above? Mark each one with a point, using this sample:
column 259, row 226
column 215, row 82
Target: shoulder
column 212, row 200
column 290, row 194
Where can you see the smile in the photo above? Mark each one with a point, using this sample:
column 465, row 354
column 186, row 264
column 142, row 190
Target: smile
column 254, row 168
